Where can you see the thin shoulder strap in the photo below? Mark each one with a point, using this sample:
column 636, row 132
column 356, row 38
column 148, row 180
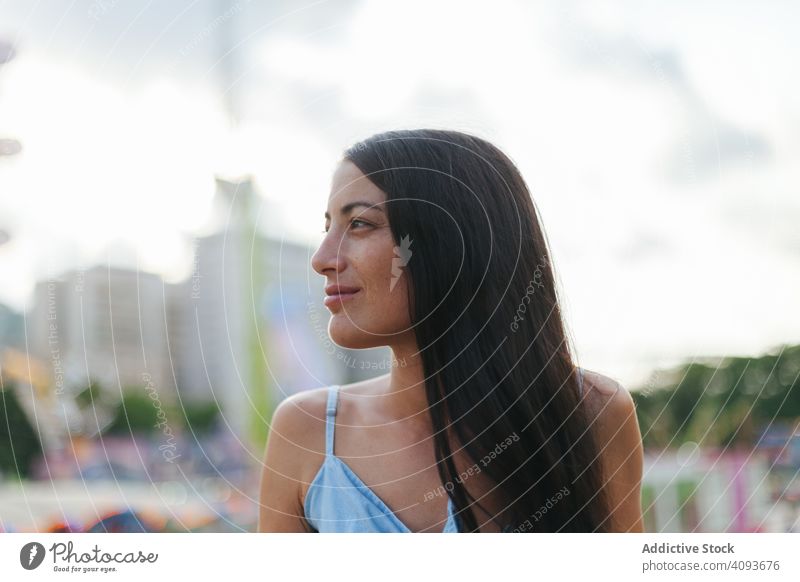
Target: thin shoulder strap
column 330, row 418
column 580, row 380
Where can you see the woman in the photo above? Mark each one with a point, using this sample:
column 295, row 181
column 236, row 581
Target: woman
column 433, row 247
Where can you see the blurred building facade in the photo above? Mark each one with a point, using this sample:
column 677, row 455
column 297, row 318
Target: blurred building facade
column 104, row 324
column 245, row 329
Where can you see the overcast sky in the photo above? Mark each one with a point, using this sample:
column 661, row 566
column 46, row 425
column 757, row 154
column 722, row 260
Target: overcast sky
column 660, row 140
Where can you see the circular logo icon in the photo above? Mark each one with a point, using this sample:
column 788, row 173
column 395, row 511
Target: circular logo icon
column 31, row 555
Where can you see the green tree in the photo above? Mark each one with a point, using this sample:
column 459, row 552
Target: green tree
column 19, row 442
column 201, row 417
column 724, row 403
column 135, row 413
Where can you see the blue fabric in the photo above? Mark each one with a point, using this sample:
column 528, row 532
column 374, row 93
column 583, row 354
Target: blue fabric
column 339, row 501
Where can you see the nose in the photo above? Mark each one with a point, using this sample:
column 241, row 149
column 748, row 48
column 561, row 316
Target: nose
column 329, row 256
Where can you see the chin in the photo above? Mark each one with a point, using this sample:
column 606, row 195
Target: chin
column 346, row 333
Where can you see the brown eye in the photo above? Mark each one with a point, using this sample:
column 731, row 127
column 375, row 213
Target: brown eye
column 357, row 220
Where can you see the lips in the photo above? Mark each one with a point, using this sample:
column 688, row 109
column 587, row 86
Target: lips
column 337, row 294
column 340, row 289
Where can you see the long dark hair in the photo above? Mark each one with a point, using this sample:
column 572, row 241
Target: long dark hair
column 499, row 375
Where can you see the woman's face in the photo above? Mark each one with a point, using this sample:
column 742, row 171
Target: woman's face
column 358, row 255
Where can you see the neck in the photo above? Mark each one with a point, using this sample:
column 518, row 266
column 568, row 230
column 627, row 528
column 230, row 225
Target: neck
column 405, row 395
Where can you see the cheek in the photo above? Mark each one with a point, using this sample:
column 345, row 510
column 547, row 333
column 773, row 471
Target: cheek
column 374, row 321
column 383, row 310
column 387, row 309
column 392, row 307
column 372, row 263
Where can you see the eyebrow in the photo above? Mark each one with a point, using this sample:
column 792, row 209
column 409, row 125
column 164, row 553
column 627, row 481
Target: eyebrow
column 348, row 207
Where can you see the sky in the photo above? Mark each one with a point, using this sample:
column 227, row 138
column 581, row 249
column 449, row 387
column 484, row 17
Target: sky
column 660, row 142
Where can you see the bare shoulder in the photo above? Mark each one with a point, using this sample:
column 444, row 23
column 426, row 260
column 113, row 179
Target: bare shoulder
column 295, row 447
column 612, row 415
column 611, row 410
column 300, row 417
column 605, row 396
column 300, row 420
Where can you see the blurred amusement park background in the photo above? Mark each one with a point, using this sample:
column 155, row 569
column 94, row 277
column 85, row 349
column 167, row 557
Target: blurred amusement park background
column 156, row 307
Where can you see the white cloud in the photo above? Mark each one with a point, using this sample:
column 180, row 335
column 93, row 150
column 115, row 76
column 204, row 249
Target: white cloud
column 101, row 164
